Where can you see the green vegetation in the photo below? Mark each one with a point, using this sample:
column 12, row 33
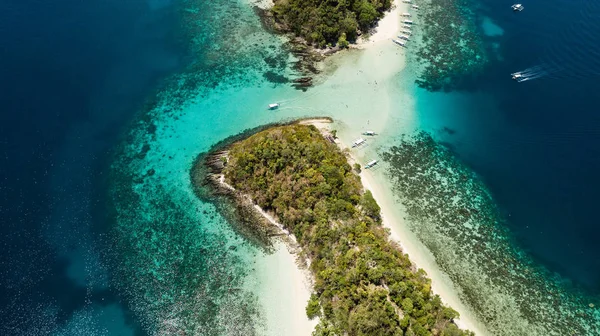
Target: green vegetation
column 364, row 284
column 323, row 22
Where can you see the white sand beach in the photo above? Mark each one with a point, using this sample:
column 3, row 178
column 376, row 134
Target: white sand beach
column 284, row 289
column 393, row 218
column 283, row 283
column 388, row 27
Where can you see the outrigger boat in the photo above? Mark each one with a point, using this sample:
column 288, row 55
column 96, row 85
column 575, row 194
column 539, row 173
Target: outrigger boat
column 404, row 37
column 358, row 142
column 371, row 133
column 409, row 22
column 406, row 31
column 370, row 164
column 401, row 43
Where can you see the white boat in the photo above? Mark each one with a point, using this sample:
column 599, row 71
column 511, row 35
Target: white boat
column 517, row 76
column 358, row 142
column 408, row 22
column 273, row 106
column 370, row 164
column 405, row 14
column 406, row 31
column 371, row 133
column 401, row 43
column 406, row 26
column 406, row 1
column 404, row 37
column 517, row 7
column 415, row 6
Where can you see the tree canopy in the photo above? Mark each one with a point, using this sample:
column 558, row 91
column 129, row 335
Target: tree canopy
column 364, row 284
column 323, row 22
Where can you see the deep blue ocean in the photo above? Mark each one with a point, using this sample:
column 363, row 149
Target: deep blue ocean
column 73, row 74
column 538, row 143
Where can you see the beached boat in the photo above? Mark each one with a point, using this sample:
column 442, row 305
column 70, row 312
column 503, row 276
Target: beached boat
column 408, row 22
column 517, row 7
column 406, row 1
column 406, row 31
column 406, row 14
column 401, row 43
column 358, row 142
column 370, row 164
column 273, row 106
column 404, row 37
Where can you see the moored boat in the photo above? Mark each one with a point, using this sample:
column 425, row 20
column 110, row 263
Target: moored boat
column 517, row 7
column 358, row 142
column 370, row 164
column 401, row 43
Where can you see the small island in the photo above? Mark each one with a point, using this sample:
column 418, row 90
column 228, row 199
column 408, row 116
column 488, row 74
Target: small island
column 363, row 283
column 322, row 23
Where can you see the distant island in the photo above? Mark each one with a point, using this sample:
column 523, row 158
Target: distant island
column 363, row 283
column 321, row 22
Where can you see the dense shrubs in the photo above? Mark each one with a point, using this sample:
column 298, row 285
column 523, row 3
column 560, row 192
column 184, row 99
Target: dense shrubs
column 364, row 284
column 323, row 22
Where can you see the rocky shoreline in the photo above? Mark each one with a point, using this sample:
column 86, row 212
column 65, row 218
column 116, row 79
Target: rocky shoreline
column 247, row 218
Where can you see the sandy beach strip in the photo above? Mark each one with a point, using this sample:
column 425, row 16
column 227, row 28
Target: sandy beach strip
column 388, row 27
column 282, row 281
column 393, row 218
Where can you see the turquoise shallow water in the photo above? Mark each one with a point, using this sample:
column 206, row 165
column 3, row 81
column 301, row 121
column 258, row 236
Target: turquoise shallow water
column 76, row 72
column 181, row 265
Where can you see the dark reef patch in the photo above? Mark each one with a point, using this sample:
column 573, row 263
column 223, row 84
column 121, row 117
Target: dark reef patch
column 450, row 50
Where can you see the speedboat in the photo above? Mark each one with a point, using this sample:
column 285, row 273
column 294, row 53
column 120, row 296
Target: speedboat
column 517, row 7
column 517, row 76
column 273, row 106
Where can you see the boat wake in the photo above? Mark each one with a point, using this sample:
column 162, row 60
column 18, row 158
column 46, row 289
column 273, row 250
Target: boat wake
column 573, row 47
column 535, row 72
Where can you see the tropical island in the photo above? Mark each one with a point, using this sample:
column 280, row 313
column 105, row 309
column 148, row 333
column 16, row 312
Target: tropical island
column 321, row 23
column 363, row 283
